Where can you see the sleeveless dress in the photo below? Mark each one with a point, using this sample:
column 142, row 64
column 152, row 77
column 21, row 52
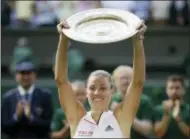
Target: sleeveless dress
column 107, row 127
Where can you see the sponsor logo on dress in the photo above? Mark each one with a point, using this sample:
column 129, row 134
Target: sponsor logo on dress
column 108, row 128
column 85, row 133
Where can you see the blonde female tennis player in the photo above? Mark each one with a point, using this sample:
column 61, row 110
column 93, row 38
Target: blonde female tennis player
column 100, row 122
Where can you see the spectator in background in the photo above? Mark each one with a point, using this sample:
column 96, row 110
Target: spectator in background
column 160, row 12
column 172, row 116
column 27, row 109
column 45, row 14
column 22, row 14
column 64, row 9
column 142, row 125
column 179, row 13
column 124, row 5
column 22, row 52
column 75, row 62
column 6, row 9
column 142, row 9
column 83, row 5
column 59, row 125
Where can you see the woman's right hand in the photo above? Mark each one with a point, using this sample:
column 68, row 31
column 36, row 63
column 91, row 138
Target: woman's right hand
column 62, row 25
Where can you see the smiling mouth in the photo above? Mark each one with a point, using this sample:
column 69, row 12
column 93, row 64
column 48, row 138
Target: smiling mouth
column 97, row 99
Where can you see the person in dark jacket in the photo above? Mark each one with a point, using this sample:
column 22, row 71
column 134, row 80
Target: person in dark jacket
column 26, row 110
column 179, row 13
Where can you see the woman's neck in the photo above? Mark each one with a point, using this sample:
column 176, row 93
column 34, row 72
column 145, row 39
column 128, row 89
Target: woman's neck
column 96, row 114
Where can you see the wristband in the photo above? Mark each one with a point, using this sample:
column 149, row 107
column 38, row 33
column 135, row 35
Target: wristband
column 140, row 37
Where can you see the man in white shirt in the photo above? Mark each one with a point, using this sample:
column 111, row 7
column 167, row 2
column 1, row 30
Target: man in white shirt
column 160, row 11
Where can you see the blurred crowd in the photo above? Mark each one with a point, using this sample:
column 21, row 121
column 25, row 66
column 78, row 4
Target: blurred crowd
column 28, row 112
column 23, row 14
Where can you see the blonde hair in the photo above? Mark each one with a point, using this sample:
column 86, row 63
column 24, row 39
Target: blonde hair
column 78, row 83
column 121, row 68
column 102, row 73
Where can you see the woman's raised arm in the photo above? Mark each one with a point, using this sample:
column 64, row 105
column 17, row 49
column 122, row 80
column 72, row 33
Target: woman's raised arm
column 72, row 108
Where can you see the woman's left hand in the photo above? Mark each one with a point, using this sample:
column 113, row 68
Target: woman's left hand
column 141, row 31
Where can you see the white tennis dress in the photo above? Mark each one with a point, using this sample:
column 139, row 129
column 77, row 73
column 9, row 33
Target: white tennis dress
column 107, row 127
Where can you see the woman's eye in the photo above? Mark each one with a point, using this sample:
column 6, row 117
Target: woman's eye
column 103, row 88
column 92, row 88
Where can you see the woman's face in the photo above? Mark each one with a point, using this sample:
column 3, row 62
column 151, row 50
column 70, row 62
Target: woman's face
column 99, row 92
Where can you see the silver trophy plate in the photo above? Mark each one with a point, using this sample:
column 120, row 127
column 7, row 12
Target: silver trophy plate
column 102, row 25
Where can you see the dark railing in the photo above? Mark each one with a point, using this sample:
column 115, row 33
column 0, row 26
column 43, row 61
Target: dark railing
column 165, row 47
